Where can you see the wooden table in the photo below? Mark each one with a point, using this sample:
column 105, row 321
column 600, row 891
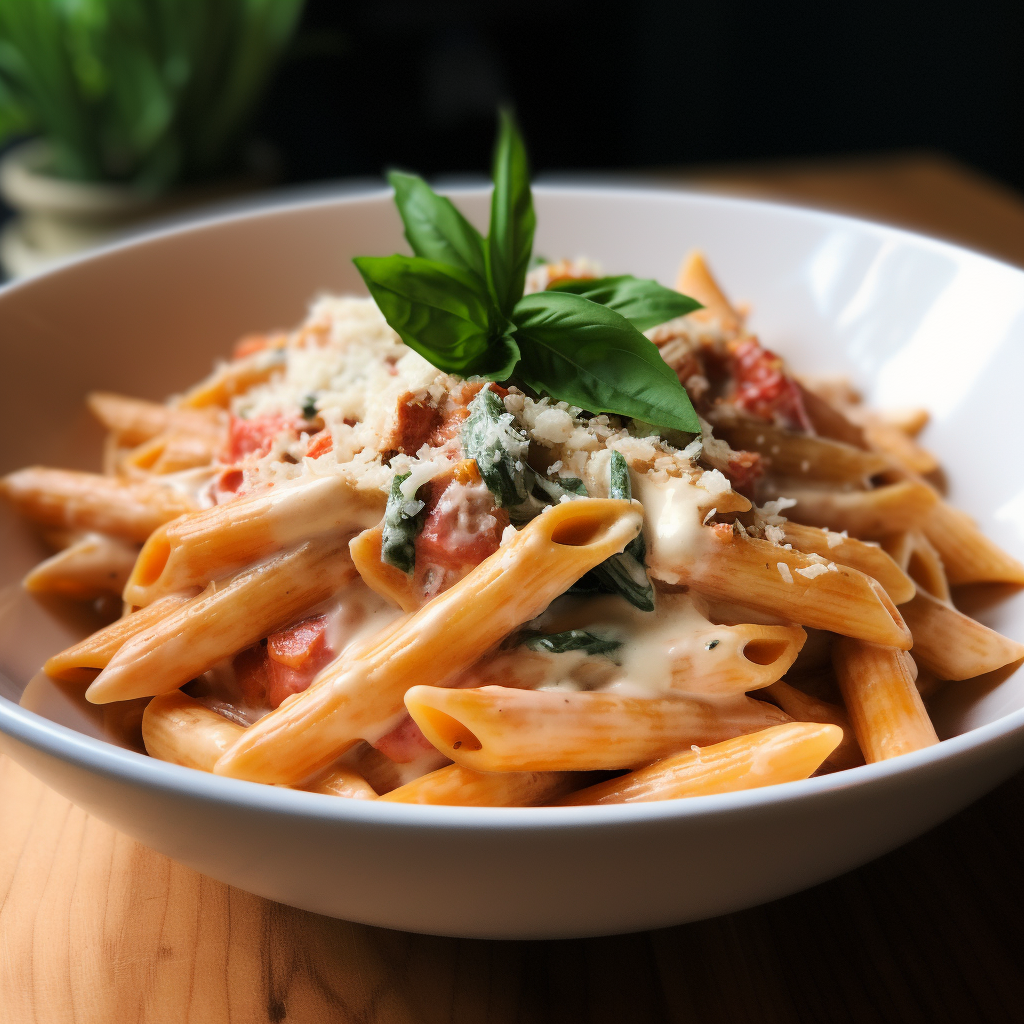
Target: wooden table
column 95, row 929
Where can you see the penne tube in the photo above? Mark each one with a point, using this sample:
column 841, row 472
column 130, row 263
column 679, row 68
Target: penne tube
column 89, row 501
column 94, row 565
column 968, row 556
column 783, row 753
column 802, row 707
column 885, row 708
column 82, row 662
column 696, row 280
column 223, row 620
column 828, row 421
column 865, row 514
column 953, row 645
column 234, row 378
column 462, row 787
column 927, row 682
column 869, row 559
column 209, row 544
column 925, row 568
column 800, row 456
column 498, row 729
column 897, row 445
column 171, row 452
column 180, row 729
column 380, row 577
column 135, row 421
column 350, row 698
column 790, row 586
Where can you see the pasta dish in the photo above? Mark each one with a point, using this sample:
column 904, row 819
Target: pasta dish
column 378, row 558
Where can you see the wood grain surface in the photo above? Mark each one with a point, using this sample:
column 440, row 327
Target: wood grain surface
column 94, row 928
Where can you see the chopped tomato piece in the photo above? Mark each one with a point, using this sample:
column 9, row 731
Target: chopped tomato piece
column 451, row 423
column 295, row 655
column 251, row 675
column 255, row 436
column 414, row 422
column 404, row 743
column 461, row 526
column 763, row 388
column 320, row 444
column 744, row 470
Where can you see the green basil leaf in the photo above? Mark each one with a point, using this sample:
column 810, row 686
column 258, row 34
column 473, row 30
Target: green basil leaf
column 619, row 485
column 435, row 229
column 513, row 220
column 644, row 303
column 402, row 522
column 489, row 436
column 573, row 640
column 623, row 574
column 440, row 312
column 590, row 356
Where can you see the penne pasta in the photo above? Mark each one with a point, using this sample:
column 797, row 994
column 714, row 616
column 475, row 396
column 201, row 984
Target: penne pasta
column 828, row 421
column 234, row 378
column 182, row 730
column 171, row 452
column 462, row 787
column 737, row 568
column 135, row 421
column 783, row 753
column 207, row 545
column 885, row 708
column 223, row 620
column 696, row 280
column 802, row 707
column 800, row 456
column 82, row 662
column 498, row 729
column 953, row 645
column 381, row 578
column 869, row 515
column 91, row 567
column 513, row 585
column 88, row 501
column 968, row 556
column 869, row 559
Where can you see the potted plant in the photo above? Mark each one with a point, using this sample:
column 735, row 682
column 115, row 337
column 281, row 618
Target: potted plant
column 136, row 107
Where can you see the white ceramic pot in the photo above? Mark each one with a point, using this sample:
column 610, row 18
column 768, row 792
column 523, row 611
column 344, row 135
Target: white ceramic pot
column 912, row 320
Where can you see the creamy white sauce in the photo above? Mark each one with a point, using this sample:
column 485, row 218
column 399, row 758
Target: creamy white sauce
column 673, row 519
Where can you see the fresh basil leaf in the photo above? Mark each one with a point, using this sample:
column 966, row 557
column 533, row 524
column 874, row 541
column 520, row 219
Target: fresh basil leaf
column 622, row 574
column 573, row 484
column 489, row 436
column 573, row 640
column 619, row 485
column 441, row 313
column 588, row 355
column 435, row 229
column 402, row 522
column 643, row 302
column 513, row 220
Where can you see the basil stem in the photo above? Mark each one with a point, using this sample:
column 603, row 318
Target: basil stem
column 403, row 520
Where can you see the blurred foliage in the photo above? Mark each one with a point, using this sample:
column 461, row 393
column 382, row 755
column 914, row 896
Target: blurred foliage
column 146, row 92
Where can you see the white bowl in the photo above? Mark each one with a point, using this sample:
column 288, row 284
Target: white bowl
column 912, row 320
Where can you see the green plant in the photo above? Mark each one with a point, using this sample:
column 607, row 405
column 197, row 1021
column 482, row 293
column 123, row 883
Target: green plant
column 145, row 92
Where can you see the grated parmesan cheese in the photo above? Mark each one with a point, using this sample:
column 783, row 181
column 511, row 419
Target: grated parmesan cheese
column 784, row 572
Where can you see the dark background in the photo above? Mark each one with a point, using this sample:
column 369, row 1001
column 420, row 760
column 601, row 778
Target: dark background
column 647, row 83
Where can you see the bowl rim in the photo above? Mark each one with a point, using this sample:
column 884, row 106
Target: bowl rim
column 129, row 767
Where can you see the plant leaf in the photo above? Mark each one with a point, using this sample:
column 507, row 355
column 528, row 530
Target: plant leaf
column 643, row 302
column 440, row 312
column 572, row 640
column 434, row 227
column 398, row 542
column 590, row 356
column 513, row 220
column 490, row 437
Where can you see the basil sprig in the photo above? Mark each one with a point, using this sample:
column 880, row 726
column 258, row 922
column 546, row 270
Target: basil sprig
column 459, row 303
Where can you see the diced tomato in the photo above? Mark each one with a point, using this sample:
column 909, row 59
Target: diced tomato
column 414, row 422
column 763, row 388
column 255, row 436
column 295, row 655
column 251, row 675
column 404, row 743
column 462, row 526
column 249, row 345
column 320, row 444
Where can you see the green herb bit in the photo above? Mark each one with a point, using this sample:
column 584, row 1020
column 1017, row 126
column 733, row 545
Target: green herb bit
column 403, row 520
column 490, row 436
column 573, row 640
column 625, row 575
column 620, row 487
column 711, row 645
column 643, row 302
column 309, row 409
